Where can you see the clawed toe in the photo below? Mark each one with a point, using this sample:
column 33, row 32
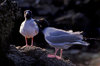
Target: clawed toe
column 31, row 45
column 51, row 56
column 58, row 57
column 26, row 45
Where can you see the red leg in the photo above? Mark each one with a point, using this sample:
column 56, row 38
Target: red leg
column 56, row 51
column 26, row 41
column 32, row 42
column 60, row 55
column 53, row 55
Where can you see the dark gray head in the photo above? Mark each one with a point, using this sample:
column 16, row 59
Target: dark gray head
column 43, row 23
column 27, row 14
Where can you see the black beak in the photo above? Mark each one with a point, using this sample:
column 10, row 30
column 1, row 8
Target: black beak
column 27, row 14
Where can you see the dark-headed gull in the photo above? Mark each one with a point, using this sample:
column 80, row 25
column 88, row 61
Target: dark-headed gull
column 61, row 39
column 29, row 28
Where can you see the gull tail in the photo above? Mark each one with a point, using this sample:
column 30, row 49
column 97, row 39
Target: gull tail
column 84, row 43
column 81, row 43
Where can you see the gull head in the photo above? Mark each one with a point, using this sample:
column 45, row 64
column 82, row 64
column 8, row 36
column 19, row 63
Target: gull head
column 27, row 14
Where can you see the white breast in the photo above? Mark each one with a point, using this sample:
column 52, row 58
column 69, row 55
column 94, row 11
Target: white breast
column 29, row 28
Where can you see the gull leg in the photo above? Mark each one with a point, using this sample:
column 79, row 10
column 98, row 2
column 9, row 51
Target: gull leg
column 53, row 55
column 26, row 41
column 56, row 51
column 32, row 42
column 60, row 55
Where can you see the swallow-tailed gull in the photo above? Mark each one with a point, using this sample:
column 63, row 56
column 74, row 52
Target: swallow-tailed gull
column 61, row 39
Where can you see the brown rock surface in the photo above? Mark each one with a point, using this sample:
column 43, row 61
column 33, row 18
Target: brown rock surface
column 34, row 56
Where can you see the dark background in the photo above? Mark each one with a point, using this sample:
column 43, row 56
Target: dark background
column 77, row 15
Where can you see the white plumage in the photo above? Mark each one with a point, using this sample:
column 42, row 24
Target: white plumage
column 29, row 28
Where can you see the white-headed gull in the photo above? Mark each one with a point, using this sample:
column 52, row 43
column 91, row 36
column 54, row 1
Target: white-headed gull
column 61, row 39
column 28, row 28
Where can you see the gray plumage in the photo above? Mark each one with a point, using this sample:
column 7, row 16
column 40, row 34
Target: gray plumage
column 63, row 39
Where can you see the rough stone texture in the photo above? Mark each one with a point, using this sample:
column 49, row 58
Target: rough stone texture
column 46, row 9
column 19, row 58
column 95, row 62
column 34, row 56
column 80, row 21
column 8, row 14
column 66, row 19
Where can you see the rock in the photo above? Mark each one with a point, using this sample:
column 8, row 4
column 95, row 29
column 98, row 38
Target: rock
column 46, row 9
column 34, row 56
column 66, row 2
column 73, row 51
column 95, row 62
column 19, row 58
column 8, row 14
column 80, row 22
column 33, row 3
column 58, row 3
column 1, row 1
column 65, row 20
column 80, row 2
column 41, row 56
column 27, row 3
column 45, row 2
column 83, row 58
column 86, row 1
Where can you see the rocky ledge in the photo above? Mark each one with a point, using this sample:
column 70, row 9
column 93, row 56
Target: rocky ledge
column 34, row 56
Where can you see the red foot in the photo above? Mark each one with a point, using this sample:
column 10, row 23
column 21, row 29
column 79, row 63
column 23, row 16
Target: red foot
column 32, row 45
column 51, row 56
column 26, row 45
column 58, row 57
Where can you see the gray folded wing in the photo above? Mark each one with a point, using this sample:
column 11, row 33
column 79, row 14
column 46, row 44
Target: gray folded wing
column 64, row 41
column 60, row 37
column 56, row 32
column 63, row 38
